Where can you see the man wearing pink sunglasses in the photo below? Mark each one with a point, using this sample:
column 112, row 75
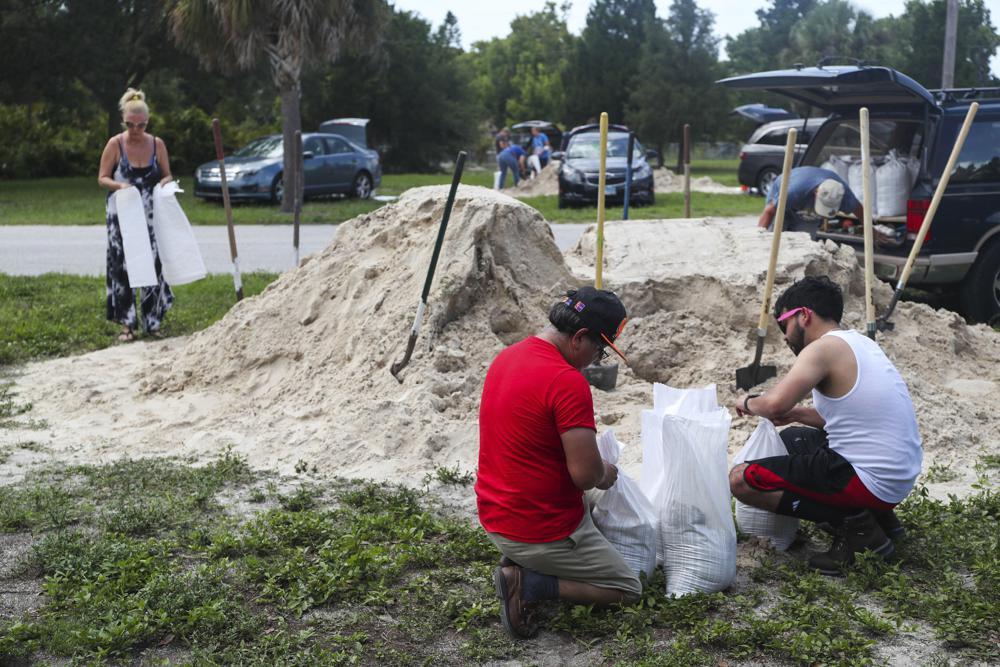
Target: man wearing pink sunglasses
column 858, row 451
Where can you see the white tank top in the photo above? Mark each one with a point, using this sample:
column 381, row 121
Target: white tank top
column 873, row 425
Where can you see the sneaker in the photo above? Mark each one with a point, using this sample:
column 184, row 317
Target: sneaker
column 858, row 533
column 890, row 525
column 513, row 614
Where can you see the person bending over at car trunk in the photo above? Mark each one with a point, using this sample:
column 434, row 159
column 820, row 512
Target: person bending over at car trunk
column 814, row 193
column 859, row 451
column 538, row 454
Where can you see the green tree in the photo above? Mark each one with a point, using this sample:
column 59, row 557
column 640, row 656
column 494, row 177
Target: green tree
column 766, row 46
column 679, row 59
column 606, row 60
column 919, row 40
column 418, row 94
column 521, row 76
column 286, row 35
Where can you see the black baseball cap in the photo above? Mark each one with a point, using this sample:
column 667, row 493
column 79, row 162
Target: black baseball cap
column 602, row 312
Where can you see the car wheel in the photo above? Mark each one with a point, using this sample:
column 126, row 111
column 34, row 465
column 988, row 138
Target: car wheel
column 277, row 189
column 981, row 287
column 765, row 179
column 362, row 187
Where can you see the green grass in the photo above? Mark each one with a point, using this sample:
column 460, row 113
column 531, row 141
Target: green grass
column 57, row 314
column 143, row 554
column 79, row 200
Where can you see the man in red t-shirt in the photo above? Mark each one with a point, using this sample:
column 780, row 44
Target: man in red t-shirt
column 538, row 454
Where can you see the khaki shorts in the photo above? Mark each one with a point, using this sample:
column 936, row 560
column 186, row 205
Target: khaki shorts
column 584, row 556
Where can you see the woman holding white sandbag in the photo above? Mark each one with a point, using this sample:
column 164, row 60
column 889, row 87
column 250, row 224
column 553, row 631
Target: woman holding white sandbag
column 132, row 164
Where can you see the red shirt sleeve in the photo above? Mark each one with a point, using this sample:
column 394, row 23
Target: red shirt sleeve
column 571, row 401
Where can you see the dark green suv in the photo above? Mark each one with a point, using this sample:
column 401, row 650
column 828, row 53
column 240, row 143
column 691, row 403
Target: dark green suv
column 917, row 127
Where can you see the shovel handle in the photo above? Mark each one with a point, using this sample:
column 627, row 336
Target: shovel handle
column 938, row 193
column 866, row 181
column 601, row 180
column 779, row 222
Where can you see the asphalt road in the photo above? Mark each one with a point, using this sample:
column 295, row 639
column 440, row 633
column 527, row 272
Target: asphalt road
column 32, row 250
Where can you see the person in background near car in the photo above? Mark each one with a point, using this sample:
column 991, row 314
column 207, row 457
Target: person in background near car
column 858, row 453
column 541, row 149
column 814, row 193
column 133, row 159
column 538, row 454
column 511, row 158
column 501, row 140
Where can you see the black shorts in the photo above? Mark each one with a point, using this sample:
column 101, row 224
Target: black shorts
column 813, row 470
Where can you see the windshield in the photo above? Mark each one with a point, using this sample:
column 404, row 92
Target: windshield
column 587, row 147
column 263, row 147
column 843, row 140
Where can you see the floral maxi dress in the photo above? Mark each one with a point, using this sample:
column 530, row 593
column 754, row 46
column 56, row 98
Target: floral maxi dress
column 156, row 300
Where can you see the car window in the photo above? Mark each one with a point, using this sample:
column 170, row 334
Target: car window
column 587, row 147
column 314, row 145
column 843, row 139
column 338, row 145
column 775, row 137
column 263, row 147
column 979, row 161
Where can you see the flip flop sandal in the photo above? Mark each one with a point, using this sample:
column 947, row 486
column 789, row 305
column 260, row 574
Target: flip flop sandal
column 126, row 336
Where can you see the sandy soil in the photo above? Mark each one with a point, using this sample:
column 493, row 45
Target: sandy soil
column 664, row 181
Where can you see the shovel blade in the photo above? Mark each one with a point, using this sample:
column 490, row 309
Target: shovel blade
column 604, row 377
column 753, row 375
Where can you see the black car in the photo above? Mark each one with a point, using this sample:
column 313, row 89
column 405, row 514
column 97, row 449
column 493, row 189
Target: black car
column 962, row 248
column 579, row 170
column 764, row 152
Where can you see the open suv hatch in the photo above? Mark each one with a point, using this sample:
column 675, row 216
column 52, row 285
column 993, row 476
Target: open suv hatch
column 918, row 127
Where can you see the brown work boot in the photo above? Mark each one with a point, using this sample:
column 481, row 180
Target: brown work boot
column 890, row 525
column 513, row 614
column 858, row 533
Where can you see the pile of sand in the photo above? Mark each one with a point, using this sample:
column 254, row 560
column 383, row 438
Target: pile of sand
column 301, row 372
column 664, row 181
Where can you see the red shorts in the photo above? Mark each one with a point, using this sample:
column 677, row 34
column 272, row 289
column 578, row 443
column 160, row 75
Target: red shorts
column 812, row 470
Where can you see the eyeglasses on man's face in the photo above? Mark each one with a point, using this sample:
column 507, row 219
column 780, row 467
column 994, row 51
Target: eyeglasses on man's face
column 783, row 320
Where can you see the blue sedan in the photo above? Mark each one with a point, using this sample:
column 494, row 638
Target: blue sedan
column 332, row 164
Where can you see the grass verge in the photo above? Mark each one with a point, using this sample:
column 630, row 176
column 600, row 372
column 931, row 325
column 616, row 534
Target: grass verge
column 221, row 565
column 57, row 314
column 79, row 201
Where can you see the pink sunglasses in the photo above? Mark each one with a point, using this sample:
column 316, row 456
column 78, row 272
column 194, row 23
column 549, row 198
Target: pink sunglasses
column 790, row 314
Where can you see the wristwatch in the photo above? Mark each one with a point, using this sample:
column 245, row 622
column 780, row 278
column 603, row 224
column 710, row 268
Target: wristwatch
column 746, row 403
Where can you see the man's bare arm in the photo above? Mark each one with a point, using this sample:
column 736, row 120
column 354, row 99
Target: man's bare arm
column 811, row 367
column 584, row 461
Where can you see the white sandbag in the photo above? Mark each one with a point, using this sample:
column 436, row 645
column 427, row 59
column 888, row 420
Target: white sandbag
column 893, row 181
column 135, row 237
column 496, row 179
column 685, row 477
column 625, row 516
column 838, row 165
column 764, row 442
column 180, row 257
column 855, row 182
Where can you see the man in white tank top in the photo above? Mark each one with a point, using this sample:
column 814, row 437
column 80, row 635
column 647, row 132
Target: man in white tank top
column 858, row 452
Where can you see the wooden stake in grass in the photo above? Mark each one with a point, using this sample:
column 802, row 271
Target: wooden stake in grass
column 237, row 280
column 687, row 170
column 601, row 180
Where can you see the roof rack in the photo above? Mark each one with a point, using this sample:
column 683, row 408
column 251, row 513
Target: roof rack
column 964, row 94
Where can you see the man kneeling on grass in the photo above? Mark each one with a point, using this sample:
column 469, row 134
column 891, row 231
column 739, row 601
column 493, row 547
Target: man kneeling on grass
column 538, row 454
column 859, row 452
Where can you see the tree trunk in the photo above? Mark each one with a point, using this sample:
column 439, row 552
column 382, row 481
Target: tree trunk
column 291, row 121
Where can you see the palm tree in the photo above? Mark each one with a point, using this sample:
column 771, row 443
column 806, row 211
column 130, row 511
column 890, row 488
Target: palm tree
column 240, row 35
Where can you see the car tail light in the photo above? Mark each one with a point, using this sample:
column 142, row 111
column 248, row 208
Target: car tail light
column 916, row 209
column 743, row 155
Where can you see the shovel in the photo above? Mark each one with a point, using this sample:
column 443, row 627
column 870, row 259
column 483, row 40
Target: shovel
column 755, row 374
column 422, row 305
column 883, row 322
column 869, row 241
column 604, row 377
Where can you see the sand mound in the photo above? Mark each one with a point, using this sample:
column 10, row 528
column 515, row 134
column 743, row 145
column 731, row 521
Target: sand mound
column 301, row 372
column 545, row 184
column 664, row 180
column 693, row 289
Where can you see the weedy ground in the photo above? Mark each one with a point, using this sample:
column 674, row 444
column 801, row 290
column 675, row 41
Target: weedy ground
column 159, row 561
